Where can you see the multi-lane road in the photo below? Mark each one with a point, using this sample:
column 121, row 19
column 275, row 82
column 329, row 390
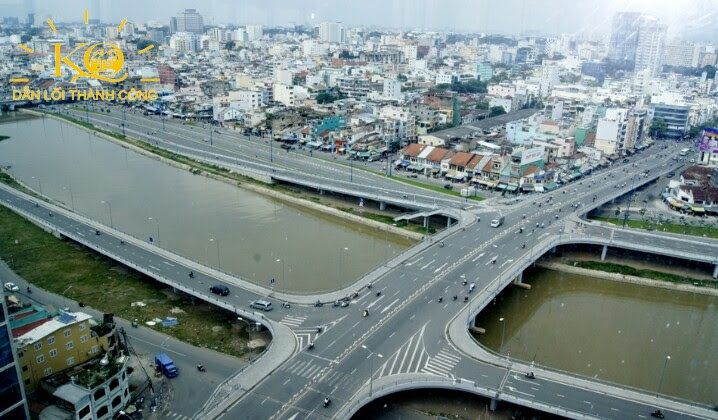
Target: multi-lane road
column 406, row 332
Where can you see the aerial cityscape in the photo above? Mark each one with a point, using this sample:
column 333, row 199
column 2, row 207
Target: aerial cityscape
column 379, row 210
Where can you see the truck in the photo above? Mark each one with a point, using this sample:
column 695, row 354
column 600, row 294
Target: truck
column 497, row 222
column 164, row 364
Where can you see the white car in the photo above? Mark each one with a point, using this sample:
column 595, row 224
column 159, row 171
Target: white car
column 11, row 287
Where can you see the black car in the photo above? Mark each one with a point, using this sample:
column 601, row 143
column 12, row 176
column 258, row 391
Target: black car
column 625, row 160
column 219, row 289
column 449, row 187
column 671, row 174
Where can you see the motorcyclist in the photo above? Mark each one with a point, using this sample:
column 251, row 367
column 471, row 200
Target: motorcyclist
column 441, row 298
column 326, row 401
column 191, row 274
column 28, row 289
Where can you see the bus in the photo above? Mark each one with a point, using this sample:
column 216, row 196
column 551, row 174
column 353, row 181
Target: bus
column 684, row 151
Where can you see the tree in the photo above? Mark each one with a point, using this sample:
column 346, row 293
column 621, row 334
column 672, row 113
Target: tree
column 496, row 111
column 229, row 45
column 659, row 128
column 142, row 44
column 402, row 78
column 482, row 105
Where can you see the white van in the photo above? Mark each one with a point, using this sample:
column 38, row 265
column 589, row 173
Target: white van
column 261, row 304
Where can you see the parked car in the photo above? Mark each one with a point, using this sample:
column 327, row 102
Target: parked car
column 219, row 289
column 11, row 286
column 448, row 186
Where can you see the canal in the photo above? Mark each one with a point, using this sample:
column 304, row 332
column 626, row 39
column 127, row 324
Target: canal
column 222, row 226
column 642, row 337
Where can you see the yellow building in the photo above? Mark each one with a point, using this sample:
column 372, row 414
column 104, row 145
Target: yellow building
column 49, row 342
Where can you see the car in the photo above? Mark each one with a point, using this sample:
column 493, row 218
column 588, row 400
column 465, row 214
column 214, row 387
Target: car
column 11, row 286
column 219, row 289
column 671, row 174
column 261, row 304
column 206, row 140
column 448, row 186
column 625, row 160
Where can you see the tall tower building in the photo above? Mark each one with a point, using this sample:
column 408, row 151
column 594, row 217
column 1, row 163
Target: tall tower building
column 624, row 37
column 649, row 49
column 189, row 21
column 331, row 32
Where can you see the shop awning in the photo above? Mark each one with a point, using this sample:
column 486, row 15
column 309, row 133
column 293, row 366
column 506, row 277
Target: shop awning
column 696, row 209
column 405, row 163
column 435, row 171
column 527, row 187
column 550, row 186
column 459, row 176
column 397, row 162
column 512, row 187
column 538, row 187
column 501, row 186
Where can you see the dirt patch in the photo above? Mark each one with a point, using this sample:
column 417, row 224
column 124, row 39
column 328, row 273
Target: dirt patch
column 256, row 342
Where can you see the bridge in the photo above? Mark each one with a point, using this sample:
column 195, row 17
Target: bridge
column 424, row 343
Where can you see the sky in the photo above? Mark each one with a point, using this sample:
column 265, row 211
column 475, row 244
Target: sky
column 689, row 19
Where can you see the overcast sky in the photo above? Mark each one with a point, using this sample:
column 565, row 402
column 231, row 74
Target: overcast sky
column 693, row 19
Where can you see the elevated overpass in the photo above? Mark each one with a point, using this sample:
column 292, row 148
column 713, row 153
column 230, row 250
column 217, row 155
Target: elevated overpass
column 405, row 318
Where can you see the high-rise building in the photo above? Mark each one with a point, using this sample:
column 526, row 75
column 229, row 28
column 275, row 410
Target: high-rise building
column 649, row 49
column 331, row 32
column 624, row 37
column 13, row 404
column 255, row 32
column 188, row 21
column 680, row 53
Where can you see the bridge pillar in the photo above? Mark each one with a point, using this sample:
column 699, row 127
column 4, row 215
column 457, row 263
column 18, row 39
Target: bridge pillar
column 322, row 192
column 426, row 222
column 382, row 205
column 520, row 278
column 715, row 272
column 494, row 404
column 448, row 222
column 605, row 249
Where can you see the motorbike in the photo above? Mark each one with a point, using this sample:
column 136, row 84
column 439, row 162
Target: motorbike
column 286, row 305
column 29, row 290
column 191, row 275
column 455, row 297
column 310, row 346
column 441, row 299
column 135, row 324
column 366, row 313
column 466, row 299
column 326, row 402
column 378, row 293
column 530, row 375
column 200, row 368
column 523, row 246
column 368, row 286
column 657, row 414
column 122, row 242
column 441, row 244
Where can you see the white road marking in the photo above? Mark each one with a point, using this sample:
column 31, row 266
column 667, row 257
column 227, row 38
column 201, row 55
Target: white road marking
column 439, row 269
column 480, row 255
column 389, row 306
column 428, row 264
column 375, row 302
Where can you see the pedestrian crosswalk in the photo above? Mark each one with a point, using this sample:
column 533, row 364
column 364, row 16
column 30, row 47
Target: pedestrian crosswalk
column 305, row 368
column 293, row 321
column 409, row 358
column 174, row 416
column 442, row 364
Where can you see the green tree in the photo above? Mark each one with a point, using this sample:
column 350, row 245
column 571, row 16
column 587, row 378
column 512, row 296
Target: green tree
column 402, row 78
column 229, row 45
column 482, row 105
column 142, row 43
column 659, row 128
column 496, row 111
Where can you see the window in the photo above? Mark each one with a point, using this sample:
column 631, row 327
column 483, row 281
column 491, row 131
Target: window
column 69, row 345
column 70, row 361
column 99, row 394
column 38, row 345
column 95, row 349
column 102, row 411
column 67, row 333
column 48, row 371
column 40, row 359
column 24, row 368
column 53, row 352
column 83, row 339
column 84, row 411
column 51, row 340
column 83, row 326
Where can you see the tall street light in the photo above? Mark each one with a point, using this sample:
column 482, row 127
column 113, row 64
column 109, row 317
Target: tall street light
column 663, row 372
column 39, row 184
column 371, row 367
column 339, row 279
column 109, row 206
column 219, row 266
column 158, row 231
column 503, row 331
column 284, row 284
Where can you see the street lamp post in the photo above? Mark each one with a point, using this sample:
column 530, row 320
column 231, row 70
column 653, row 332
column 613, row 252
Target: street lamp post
column 351, row 168
column 284, row 283
column 123, row 129
column 660, row 382
column 339, row 279
column 39, row 184
column 503, row 330
column 72, row 197
column 219, row 266
column 371, row 367
column 109, row 206
column 158, row 230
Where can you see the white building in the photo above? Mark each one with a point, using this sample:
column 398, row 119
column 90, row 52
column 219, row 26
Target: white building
column 254, row 32
column 184, row 42
column 651, row 37
column 392, row 89
column 681, row 53
column 549, row 79
column 611, row 131
column 405, row 126
column 445, row 78
column 284, row 76
column 283, row 94
column 331, row 32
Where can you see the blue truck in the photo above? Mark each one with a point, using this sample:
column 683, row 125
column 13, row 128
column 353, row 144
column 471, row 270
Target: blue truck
column 164, row 364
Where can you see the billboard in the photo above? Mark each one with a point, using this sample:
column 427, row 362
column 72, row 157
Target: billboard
column 532, row 155
column 709, row 141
